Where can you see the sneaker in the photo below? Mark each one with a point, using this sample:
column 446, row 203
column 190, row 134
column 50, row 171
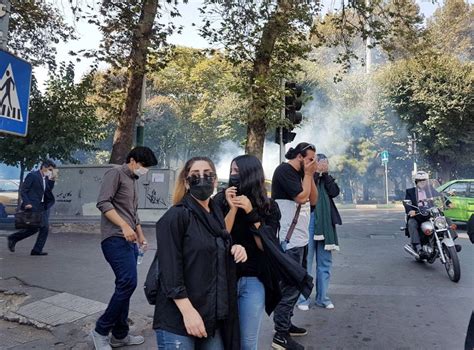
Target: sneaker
column 11, row 244
column 297, row 331
column 128, row 340
column 101, row 342
column 329, row 306
column 303, row 307
column 458, row 248
column 282, row 341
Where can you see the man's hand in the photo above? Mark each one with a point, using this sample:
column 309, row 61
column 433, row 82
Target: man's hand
column 310, row 167
column 323, row 167
column 141, row 238
column 451, row 205
column 128, row 233
column 28, row 206
column 412, row 213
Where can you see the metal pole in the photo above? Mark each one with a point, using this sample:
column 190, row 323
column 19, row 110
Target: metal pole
column 386, row 182
column 282, row 145
column 141, row 119
column 415, row 170
column 4, row 21
column 368, row 49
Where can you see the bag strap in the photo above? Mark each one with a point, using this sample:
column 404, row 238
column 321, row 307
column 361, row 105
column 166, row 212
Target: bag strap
column 293, row 224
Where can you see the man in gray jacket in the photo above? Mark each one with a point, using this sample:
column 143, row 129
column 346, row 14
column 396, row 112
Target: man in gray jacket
column 121, row 231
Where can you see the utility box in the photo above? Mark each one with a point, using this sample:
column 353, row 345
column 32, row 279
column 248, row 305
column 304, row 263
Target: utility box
column 78, row 186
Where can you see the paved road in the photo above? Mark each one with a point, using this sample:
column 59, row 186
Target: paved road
column 383, row 298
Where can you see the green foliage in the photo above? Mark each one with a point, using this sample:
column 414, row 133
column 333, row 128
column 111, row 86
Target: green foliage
column 61, row 121
column 451, row 29
column 35, row 28
column 434, row 94
column 191, row 108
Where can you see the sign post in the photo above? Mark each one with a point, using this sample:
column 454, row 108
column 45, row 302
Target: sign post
column 15, row 82
column 4, row 20
column 384, row 157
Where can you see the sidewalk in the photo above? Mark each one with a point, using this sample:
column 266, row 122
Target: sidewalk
column 52, row 302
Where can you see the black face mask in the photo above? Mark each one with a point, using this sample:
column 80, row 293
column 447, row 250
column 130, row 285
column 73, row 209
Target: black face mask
column 201, row 188
column 234, row 180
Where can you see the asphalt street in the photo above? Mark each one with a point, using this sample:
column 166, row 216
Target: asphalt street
column 383, row 298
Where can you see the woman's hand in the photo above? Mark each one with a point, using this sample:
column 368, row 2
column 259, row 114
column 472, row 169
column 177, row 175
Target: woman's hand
column 194, row 323
column 244, row 203
column 230, row 195
column 239, row 253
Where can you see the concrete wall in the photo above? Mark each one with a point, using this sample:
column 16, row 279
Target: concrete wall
column 77, row 188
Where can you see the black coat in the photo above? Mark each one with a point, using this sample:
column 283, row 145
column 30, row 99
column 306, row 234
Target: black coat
column 278, row 265
column 32, row 192
column 333, row 191
column 189, row 251
column 411, row 194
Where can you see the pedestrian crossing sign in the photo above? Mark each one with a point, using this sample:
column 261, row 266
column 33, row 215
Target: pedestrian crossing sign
column 15, row 81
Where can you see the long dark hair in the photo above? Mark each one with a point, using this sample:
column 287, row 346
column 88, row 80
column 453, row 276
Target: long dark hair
column 252, row 182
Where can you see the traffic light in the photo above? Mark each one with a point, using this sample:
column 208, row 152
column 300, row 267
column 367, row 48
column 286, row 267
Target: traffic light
column 293, row 104
column 287, row 136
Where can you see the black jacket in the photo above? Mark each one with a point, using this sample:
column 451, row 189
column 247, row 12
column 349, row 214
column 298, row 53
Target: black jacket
column 333, row 191
column 257, row 265
column 276, row 265
column 411, row 194
column 193, row 252
column 33, row 192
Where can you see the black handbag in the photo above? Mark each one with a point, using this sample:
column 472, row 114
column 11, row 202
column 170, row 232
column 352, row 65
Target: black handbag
column 28, row 219
column 151, row 282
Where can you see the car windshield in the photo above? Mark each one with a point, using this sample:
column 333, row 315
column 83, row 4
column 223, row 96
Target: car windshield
column 8, row 186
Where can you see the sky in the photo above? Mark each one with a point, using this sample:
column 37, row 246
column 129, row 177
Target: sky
column 89, row 36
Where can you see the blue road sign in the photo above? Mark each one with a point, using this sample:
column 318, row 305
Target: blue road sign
column 15, row 81
column 384, row 156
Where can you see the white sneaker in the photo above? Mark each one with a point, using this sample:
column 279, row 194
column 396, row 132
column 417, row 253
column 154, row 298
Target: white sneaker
column 303, row 307
column 101, row 342
column 127, row 341
column 330, row 306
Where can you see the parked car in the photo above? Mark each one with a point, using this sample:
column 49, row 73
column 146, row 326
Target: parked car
column 9, row 195
column 461, row 194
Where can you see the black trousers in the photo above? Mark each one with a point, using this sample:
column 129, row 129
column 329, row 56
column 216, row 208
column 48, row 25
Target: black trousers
column 289, row 294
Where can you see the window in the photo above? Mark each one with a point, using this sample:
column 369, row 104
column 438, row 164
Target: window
column 8, row 186
column 471, row 190
column 460, row 189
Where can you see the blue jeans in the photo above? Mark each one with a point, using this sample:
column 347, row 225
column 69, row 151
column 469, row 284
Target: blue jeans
column 251, row 299
column 170, row 341
column 323, row 267
column 122, row 257
column 42, row 233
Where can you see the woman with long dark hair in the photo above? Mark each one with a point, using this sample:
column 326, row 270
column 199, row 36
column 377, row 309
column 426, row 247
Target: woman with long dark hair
column 196, row 304
column 248, row 212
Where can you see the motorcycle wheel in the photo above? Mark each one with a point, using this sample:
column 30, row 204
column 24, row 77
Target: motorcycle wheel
column 452, row 266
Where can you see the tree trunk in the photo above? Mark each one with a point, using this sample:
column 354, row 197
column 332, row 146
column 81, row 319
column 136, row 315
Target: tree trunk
column 256, row 126
column 123, row 137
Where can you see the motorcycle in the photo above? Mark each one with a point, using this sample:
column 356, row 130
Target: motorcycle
column 436, row 239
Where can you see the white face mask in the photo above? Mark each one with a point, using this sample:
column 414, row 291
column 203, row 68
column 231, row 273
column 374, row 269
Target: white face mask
column 141, row 171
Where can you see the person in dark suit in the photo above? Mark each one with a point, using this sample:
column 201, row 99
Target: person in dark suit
column 420, row 195
column 37, row 195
